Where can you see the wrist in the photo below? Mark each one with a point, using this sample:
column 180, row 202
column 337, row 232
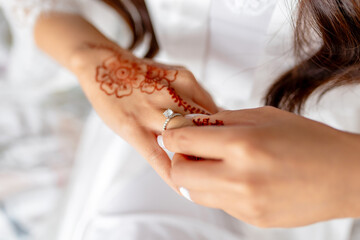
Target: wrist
column 90, row 54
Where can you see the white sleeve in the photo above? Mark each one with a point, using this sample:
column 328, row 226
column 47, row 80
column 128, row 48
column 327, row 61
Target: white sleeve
column 25, row 12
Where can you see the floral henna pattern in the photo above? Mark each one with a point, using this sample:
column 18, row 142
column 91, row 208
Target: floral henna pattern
column 206, row 122
column 119, row 76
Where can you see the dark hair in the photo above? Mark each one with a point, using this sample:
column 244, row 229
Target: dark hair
column 332, row 26
column 336, row 23
column 137, row 17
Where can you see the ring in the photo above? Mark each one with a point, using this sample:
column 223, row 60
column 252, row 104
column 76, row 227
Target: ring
column 169, row 114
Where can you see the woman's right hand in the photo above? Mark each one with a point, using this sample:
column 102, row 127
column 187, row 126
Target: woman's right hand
column 268, row 167
column 131, row 94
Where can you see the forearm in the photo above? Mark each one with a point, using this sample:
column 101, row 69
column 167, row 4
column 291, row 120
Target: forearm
column 63, row 35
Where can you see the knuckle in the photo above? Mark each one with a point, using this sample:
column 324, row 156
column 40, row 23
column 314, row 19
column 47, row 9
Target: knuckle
column 254, row 187
column 154, row 155
column 177, row 165
column 241, row 148
column 176, row 139
column 175, row 174
column 261, row 223
column 129, row 124
column 224, row 114
column 210, row 202
column 186, row 75
column 250, row 187
column 227, row 112
column 257, row 215
column 251, row 213
column 271, row 111
column 256, row 210
column 182, row 142
column 269, row 108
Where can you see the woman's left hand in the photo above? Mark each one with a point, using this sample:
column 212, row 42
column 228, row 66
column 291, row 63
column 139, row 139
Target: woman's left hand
column 268, row 167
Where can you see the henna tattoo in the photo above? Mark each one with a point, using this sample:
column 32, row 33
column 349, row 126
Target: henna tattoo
column 181, row 103
column 206, row 122
column 121, row 74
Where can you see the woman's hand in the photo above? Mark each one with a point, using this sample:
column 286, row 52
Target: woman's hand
column 128, row 93
column 268, row 167
column 131, row 94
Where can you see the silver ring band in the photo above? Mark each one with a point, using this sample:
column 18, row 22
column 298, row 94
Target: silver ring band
column 169, row 114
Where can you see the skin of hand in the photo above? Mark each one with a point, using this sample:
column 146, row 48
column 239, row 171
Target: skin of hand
column 130, row 94
column 269, row 167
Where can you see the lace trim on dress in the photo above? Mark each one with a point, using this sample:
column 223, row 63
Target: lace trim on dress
column 250, row 7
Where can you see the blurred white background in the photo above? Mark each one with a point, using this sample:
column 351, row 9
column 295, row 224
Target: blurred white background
column 39, row 131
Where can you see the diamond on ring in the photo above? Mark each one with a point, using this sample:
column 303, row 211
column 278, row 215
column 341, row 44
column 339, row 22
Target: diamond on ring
column 169, row 114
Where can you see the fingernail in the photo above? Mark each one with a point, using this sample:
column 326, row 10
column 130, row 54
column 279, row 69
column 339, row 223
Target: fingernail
column 185, row 193
column 191, row 116
column 170, row 154
column 160, row 141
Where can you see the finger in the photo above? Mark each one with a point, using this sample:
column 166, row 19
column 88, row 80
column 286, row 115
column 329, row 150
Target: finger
column 204, row 99
column 146, row 144
column 220, row 200
column 185, row 104
column 188, row 87
column 206, row 120
column 197, row 174
column 246, row 117
column 156, row 118
column 206, row 142
column 204, row 198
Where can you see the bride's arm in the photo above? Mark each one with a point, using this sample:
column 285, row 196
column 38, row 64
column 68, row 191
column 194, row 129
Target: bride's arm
column 129, row 94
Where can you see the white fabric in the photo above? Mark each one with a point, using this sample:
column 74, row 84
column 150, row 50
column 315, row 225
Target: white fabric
column 193, row 34
column 236, row 42
column 236, row 48
column 41, row 113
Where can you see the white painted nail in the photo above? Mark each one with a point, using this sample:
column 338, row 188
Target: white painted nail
column 160, row 141
column 191, row 116
column 185, row 193
column 170, row 154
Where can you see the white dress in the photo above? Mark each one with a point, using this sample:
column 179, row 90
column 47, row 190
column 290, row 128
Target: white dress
column 236, row 49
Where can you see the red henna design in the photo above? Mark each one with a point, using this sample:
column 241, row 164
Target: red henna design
column 181, row 103
column 206, row 122
column 120, row 74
